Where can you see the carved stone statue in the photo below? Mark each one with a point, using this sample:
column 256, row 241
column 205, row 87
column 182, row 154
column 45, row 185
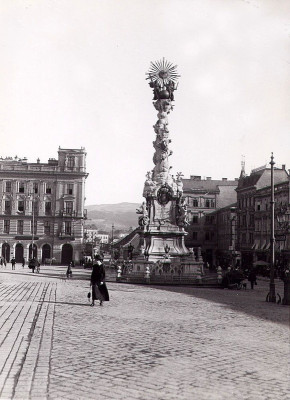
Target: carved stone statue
column 149, row 186
column 181, row 214
column 144, row 218
column 142, row 209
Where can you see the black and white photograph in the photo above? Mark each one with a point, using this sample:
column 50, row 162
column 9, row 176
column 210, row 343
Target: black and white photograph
column 144, row 199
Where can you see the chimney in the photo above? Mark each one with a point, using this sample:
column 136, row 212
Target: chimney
column 284, row 167
column 195, row 177
column 208, row 178
column 224, row 179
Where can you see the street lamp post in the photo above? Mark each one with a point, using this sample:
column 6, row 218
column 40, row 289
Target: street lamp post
column 112, row 249
column 272, row 293
column 32, row 227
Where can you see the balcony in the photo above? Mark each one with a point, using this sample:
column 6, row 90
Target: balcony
column 66, row 235
column 68, row 213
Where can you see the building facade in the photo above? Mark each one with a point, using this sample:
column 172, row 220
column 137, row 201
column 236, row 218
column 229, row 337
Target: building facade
column 42, row 207
column 203, row 197
column 254, row 214
column 226, row 229
column 93, row 235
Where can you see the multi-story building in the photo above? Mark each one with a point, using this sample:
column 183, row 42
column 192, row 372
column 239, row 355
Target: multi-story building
column 42, row 207
column 262, row 232
column 92, row 235
column 226, row 229
column 254, row 212
column 203, row 197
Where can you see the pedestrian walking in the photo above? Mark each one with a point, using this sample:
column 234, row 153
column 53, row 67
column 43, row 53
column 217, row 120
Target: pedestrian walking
column 23, row 262
column 37, row 266
column 1, row 261
column 99, row 288
column 33, row 263
column 252, row 277
column 69, row 271
column 13, row 262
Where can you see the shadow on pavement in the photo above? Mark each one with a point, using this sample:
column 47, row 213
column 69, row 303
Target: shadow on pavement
column 67, row 303
column 251, row 302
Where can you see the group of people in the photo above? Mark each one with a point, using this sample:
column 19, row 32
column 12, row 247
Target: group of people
column 33, row 263
column 12, row 261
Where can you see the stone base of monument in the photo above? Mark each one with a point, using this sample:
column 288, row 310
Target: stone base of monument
column 167, row 272
column 157, row 240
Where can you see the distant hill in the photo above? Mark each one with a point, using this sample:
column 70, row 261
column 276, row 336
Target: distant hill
column 122, row 215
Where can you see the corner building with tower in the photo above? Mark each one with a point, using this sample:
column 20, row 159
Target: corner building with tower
column 42, row 207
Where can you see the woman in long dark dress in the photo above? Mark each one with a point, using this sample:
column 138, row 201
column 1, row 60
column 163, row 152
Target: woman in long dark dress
column 99, row 288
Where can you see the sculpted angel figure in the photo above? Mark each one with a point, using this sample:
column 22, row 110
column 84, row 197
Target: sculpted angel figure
column 179, row 182
column 150, row 185
column 142, row 209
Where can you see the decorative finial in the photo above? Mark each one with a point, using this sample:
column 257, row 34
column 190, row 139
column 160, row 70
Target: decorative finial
column 163, row 79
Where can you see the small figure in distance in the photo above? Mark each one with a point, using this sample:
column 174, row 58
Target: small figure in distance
column 69, row 270
column 13, row 262
column 252, row 277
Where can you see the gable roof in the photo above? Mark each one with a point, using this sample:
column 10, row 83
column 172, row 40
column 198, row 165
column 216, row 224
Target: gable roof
column 262, row 178
column 206, row 184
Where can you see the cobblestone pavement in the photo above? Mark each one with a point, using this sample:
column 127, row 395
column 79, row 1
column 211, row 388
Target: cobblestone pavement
column 146, row 343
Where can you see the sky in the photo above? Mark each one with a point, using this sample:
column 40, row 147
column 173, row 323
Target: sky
column 72, row 74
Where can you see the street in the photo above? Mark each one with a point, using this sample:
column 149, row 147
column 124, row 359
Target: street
column 146, row 343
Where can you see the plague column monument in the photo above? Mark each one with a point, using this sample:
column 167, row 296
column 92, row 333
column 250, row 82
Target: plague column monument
column 163, row 214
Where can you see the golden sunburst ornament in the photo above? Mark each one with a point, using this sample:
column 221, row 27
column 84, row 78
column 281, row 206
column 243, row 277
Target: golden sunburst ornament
column 162, row 72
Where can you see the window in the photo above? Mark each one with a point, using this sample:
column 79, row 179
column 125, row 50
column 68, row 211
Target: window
column 70, row 162
column 7, row 207
column 207, row 203
column 46, row 228
column 35, row 207
column 33, row 227
column 195, row 219
column 244, row 222
column 212, row 204
column 194, row 235
column 20, row 227
column 67, row 228
column 251, row 238
column 48, row 207
column 21, row 187
column 207, row 235
column 70, row 187
column 21, row 206
column 69, row 207
column 35, row 187
column 8, row 187
column 48, row 188
column 252, row 220
column 258, row 207
column 209, row 219
column 6, row 226
column 195, row 203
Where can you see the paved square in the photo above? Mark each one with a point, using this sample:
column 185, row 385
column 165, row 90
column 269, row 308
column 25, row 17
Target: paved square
column 146, row 343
